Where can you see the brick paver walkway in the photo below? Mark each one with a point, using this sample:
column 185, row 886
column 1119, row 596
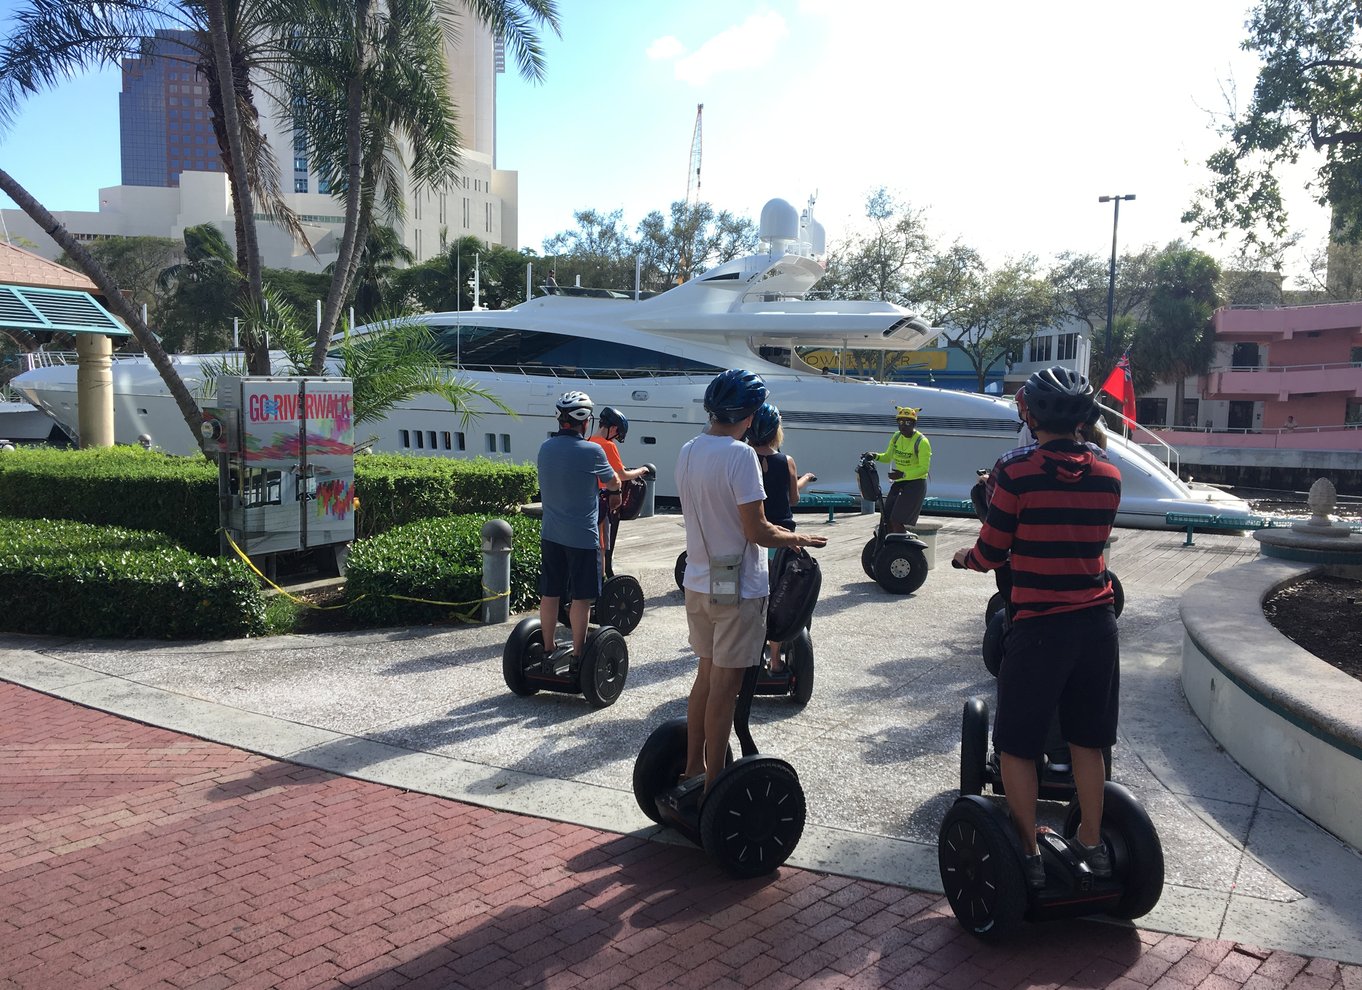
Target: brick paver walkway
column 132, row 858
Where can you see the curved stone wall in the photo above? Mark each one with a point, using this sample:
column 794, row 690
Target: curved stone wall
column 1290, row 719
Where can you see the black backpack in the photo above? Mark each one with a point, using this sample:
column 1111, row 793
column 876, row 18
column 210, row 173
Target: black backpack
column 795, row 582
column 631, row 502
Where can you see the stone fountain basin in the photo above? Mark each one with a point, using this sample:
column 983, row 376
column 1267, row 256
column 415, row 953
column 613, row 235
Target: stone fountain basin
column 1291, row 720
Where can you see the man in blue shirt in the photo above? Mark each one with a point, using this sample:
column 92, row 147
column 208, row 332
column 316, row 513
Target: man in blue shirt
column 571, row 468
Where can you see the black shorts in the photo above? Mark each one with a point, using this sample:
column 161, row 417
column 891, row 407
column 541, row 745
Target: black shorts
column 569, row 572
column 1069, row 662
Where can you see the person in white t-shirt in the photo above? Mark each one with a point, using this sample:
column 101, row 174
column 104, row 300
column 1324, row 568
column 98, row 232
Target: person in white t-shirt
column 718, row 478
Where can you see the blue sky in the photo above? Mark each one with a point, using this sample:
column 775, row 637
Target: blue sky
column 1004, row 120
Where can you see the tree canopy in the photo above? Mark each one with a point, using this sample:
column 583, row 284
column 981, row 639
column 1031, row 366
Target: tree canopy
column 1307, row 103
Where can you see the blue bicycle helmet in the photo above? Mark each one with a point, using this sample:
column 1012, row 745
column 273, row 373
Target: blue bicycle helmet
column 1058, row 399
column 610, row 416
column 734, row 395
column 764, row 425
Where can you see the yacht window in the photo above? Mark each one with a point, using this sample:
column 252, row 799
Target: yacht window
column 405, row 437
column 552, row 353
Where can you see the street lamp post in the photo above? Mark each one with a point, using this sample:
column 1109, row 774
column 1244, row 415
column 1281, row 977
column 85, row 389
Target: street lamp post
column 1111, row 280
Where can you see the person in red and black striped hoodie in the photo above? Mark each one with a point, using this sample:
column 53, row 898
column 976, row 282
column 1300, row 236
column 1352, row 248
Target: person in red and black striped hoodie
column 1049, row 517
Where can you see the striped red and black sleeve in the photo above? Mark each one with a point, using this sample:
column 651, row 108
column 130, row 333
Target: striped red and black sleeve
column 1051, row 514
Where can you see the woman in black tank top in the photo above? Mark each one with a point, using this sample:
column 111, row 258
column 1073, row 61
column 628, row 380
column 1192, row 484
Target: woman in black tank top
column 782, row 483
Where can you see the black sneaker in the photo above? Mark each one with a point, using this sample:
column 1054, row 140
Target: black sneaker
column 1034, row 869
column 1097, row 858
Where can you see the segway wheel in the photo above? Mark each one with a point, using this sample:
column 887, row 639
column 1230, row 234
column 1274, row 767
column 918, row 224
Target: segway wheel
column 1118, row 594
column 799, row 657
column 995, row 604
column 973, row 746
column 900, row 567
column 1136, row 853
column 981, row 868
column 620, row 604
column 868, row 559
column 660, row 762
column 605, row 667
column 679, row 572
column 753, row 817
column 993, row 642
column 518, row 653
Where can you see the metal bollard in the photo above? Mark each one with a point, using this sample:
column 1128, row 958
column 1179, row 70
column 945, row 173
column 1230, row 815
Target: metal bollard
column 649, row 483
column 867, row 507
column 496, row 570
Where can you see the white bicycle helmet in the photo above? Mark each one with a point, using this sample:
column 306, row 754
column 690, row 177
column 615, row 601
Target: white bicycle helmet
column 574, row 405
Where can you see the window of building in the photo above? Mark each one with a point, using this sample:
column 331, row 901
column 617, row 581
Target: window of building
column 405, row 437
column 465, row 213
column 446, row 440
column 1191, row 408
column 490, row 442
column 430, row 440
column 1067, row 348
column 1153, row 411
column 416, row 244
column 1041, row 348
column 442, row 207
column 1356, row 357
column 300, row 185
column 420, row 438
column 416, row 206
column 1353, row 417
column 488, row 208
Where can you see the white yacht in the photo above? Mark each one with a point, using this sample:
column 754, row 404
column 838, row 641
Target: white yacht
column 652, row 358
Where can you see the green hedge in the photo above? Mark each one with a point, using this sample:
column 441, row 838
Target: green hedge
column 396, row 489
column 72, row 579
column 437, row 559
column 139, row 489
column 115, row 486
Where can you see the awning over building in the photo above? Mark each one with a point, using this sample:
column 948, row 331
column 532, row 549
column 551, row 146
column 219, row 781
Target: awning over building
column 46, row 310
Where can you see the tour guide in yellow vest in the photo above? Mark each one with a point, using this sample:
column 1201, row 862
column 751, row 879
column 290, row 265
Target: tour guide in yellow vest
column 909, row 455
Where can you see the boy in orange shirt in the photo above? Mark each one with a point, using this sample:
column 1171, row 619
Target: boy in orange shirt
column 614, row 427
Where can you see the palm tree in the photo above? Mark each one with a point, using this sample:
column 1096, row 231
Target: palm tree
column 380, row 68
column 383, row 253
column 229, row 42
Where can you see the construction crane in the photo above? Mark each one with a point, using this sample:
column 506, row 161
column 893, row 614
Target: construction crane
column 693, row 179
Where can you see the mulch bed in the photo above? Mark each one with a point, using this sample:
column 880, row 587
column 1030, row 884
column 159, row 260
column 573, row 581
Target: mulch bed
column 1322, row 615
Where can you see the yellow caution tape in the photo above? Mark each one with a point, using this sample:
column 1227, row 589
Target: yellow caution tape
column 466, row 616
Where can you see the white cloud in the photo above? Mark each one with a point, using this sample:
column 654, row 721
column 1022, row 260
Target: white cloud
column 748, row 45
column 666, row 48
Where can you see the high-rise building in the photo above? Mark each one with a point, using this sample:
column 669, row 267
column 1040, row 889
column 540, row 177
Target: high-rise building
column 164, row 122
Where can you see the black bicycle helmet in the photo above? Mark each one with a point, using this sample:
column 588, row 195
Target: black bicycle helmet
column 1058, row 399
column 610, row 416
column 734, row 395
column 575, row 406
column 765, row 423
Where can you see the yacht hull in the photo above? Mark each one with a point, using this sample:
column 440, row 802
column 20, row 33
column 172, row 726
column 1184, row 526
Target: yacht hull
column 827, row 422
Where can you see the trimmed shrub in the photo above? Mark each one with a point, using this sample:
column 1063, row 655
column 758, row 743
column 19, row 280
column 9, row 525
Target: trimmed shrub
column 436, row 559
column 115, row 486
column 140, row 489
column 68, row 578
column 395, row 489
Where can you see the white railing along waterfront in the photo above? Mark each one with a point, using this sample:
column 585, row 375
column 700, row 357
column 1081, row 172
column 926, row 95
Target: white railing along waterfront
column 1171, row 460
column 1332, row 366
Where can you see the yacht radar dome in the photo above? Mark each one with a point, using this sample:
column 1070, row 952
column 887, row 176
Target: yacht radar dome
column 779, row 225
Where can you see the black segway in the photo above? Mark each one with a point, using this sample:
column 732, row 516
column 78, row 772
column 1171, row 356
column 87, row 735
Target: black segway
column 980, row 858
column 980, row 767
column 598, row 674
column 752, row 818
column 620, row 605
column 897, row 562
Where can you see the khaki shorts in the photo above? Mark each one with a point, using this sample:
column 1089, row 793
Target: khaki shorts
column 730, row 635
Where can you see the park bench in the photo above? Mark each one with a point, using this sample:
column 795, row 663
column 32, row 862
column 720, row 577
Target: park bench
column 948, row 506
column 832, row 501
column 1196, row 520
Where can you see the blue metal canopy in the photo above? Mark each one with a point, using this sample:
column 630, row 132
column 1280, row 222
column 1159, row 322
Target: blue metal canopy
column 24, row 307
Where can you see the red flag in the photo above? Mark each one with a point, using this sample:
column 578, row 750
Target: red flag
column 1120, row 387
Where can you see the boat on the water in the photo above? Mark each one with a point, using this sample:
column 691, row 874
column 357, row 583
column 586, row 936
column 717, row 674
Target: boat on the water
column 21, row 420
column 651, row 358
